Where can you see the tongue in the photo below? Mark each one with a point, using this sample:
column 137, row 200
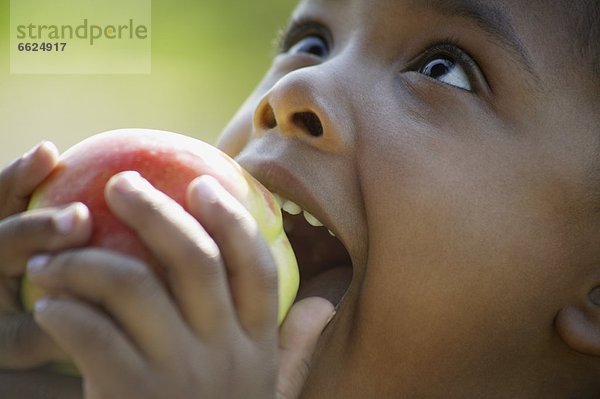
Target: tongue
column 331, row 284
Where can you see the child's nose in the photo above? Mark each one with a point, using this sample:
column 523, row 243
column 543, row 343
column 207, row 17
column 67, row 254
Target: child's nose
column 299, row 106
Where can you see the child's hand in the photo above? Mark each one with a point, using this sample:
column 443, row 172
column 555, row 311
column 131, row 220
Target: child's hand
column 215, row 336
column 22, row 342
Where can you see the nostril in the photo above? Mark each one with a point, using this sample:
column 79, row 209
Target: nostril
column 310, row 122
column 267, row 118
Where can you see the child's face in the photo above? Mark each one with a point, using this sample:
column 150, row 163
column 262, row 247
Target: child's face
column 456, row 160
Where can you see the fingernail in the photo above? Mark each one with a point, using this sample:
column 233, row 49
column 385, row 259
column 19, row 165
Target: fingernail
column 126, row 182
column 206, row 187
column 64, row 220
column 41, row 304
column 47, row 146
column 29, row 154
column 37, row 263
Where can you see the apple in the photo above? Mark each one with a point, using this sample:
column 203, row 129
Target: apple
column 170, row 162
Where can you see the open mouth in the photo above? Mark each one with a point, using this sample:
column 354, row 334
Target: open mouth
column 325, row 264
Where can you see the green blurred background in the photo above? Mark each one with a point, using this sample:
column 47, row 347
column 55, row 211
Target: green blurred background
column 207, row 56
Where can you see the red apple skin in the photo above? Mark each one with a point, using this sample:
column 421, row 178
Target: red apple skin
column 170, row 162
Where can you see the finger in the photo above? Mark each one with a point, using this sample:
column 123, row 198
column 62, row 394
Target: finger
column 19, row 179
column 194, row 265
column 250, row 266
column 298, row 338
column 126, row 288
column 23, row 344
column 43, row 230
column 89, row 337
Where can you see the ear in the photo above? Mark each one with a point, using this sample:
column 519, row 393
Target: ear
column 578, row 324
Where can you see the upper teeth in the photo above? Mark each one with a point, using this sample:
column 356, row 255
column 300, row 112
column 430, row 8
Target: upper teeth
column 313, row 221
column 294, row 209
column 291, row 208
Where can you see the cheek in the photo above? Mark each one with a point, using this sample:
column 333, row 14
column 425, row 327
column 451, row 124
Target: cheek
column 468, row 205
column 464, row 241
column 238, row 132
column 466, row 191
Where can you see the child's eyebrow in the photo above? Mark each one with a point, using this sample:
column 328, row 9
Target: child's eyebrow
column 492, row 20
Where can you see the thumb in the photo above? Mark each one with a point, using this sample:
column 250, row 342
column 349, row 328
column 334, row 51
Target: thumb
column 298, row 338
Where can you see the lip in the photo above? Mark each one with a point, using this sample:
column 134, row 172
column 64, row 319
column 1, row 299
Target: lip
column 281, row 180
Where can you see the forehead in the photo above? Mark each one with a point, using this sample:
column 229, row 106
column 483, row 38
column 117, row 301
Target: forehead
column 496, row 17
column 450, row 7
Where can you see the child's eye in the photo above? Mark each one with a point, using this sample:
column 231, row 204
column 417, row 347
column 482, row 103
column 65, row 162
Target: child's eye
column 306, row 37
column 446, row 70
column 449, row 64
column 312, row 44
